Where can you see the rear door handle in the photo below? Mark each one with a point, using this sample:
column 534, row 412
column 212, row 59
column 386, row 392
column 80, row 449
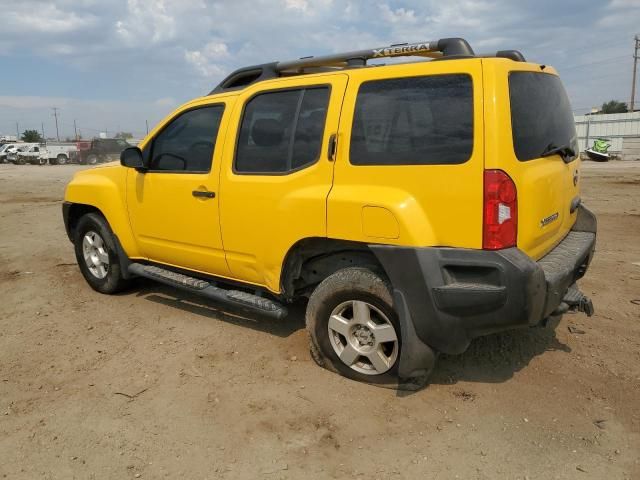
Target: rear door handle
column 332, row 148
column 203, row 194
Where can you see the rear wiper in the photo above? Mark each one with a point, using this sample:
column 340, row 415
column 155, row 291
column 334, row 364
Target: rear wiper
column 565, row 151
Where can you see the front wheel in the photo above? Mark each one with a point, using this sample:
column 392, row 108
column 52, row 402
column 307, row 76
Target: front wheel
column 353, row 328
column 92, row 159
column 97, row 256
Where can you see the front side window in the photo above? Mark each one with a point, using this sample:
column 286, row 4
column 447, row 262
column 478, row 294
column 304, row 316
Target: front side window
column 413, row 121
column 541, row 115
column 282, row 131
column 187, row 143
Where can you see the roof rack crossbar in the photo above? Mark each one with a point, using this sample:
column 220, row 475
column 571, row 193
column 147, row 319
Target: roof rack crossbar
column 445, row 47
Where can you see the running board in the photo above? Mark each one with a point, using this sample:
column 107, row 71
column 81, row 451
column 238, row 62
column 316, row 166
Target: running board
column 233, row 298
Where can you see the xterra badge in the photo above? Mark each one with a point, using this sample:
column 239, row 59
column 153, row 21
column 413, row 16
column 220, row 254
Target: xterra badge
column 547, row 220
column 397, row 50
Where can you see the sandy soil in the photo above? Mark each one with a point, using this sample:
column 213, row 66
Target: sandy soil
column 154, row 384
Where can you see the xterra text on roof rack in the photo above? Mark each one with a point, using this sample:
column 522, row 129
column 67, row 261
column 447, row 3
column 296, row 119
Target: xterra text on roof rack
column 416, row 205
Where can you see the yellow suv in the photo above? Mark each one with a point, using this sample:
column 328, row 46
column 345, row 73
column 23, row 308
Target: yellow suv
column 416, row 205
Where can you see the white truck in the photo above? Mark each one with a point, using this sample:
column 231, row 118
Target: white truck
column 7, row 149
column 60, row 153
column 29, row 153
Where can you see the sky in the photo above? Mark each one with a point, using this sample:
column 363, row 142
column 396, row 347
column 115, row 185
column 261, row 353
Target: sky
column 116, row 65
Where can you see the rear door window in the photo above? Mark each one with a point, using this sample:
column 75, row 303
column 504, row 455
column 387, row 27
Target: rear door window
column 413, row 121
column 282, row 131
column 541, row 116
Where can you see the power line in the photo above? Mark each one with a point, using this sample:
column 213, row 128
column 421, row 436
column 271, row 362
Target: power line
column 606, row 60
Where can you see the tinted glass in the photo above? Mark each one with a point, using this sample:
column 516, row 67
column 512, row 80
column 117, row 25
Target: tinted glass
column 413, row 121
column 541, row 115
column 310, row 127
column 282, row 131
column 188, row 142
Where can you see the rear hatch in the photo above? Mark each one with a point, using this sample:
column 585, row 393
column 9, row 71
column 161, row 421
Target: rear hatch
column 538, row 150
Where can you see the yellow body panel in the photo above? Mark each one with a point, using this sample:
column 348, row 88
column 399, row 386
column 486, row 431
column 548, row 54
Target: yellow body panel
column 171, row 225
column 545, row 186
column 103, row 187
column 263, row 216
column 246, row 231
column 432, row 204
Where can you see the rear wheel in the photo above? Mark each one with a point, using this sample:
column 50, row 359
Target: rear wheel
column 92, row 159
column 61, row 159
column 353, row 328
column 97, row 256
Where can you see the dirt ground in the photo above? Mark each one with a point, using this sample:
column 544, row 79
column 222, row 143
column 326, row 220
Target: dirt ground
column 153, row 384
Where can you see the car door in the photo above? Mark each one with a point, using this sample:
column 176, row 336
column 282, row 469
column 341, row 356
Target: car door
column 173, row 207
column 277, row 172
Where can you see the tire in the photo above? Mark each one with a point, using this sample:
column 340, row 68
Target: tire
column 20, row 161
column 100, row 266
column 347, row 346
column 41, row 161
column 92, row 159
column 61, row 159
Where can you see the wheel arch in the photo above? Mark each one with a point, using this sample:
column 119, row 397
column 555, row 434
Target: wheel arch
column 311, row 260
column 101, row 190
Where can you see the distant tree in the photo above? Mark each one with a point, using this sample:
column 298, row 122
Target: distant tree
column 31, row 136
column 123, row 135
column 613, row 106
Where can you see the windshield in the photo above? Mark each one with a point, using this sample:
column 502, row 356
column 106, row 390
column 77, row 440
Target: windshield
column 3, row 148
column 541, row 116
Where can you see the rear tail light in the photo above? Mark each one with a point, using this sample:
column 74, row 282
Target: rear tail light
column 500, row 223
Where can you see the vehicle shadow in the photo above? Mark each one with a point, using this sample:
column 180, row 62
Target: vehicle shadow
column 496, row 358
column 489, row 359
column 181, row 300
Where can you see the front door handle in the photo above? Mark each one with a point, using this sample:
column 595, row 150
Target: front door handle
column 203, row 194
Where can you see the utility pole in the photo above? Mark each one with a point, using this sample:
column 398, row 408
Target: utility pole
column 43, row 137
column 635, row 67
column 75, row 129
column 55, row 114
column 17, row 131
column 147, row 122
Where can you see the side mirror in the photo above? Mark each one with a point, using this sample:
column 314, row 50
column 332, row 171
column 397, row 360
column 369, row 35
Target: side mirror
column 132, row 157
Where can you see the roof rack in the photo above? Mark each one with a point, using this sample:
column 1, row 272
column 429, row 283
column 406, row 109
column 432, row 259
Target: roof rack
column 445, row 48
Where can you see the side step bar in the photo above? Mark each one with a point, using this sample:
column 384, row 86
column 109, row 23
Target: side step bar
column 232, row 298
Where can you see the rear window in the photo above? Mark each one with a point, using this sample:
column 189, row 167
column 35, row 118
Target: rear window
column 413, row 121
column 541, row 116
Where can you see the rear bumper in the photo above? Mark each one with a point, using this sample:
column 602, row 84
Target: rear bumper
column 448, row 296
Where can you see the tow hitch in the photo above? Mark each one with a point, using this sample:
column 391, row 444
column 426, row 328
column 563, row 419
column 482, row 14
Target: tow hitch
column 578, row 301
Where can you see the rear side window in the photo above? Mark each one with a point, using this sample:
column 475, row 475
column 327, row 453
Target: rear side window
column 413, row 121
column 541, row 116
column 282, row 131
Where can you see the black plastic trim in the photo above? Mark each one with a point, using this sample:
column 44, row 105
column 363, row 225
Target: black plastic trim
column 448, row 296
column 66, row 209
